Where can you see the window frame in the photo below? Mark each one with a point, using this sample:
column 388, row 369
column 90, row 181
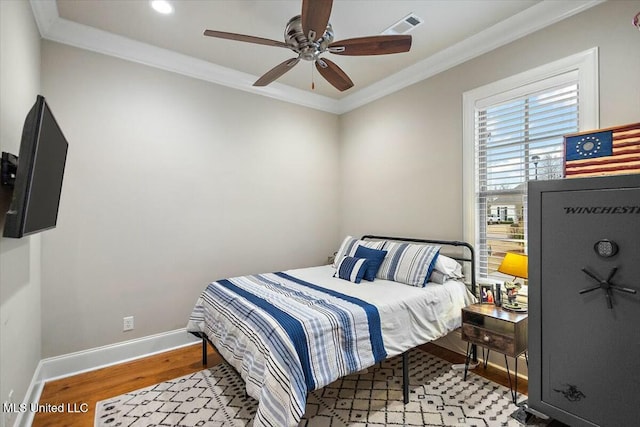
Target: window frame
column 581, row 67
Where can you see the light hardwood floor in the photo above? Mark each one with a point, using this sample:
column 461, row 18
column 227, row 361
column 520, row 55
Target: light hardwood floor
column 91, row 387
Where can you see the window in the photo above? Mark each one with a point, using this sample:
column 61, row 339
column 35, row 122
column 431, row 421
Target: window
column 513, row 133
column 517, row 141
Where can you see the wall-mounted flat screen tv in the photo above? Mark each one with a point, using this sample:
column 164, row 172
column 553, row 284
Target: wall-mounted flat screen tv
column 38, row 177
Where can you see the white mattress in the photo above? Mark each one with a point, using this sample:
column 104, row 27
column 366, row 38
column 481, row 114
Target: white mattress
column 409, row 316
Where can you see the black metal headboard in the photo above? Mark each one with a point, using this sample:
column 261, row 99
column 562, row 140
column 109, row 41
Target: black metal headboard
column 463, row 258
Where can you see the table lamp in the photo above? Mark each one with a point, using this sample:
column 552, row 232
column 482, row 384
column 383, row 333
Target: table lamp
column 515, row 265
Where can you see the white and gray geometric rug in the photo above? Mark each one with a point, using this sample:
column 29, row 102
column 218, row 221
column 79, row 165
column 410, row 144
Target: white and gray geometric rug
column 215, row 397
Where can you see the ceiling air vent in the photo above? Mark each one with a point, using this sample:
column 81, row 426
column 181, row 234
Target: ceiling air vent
column 405, row 25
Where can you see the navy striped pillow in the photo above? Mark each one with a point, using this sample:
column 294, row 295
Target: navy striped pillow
column 408, row 263
column 352, row 269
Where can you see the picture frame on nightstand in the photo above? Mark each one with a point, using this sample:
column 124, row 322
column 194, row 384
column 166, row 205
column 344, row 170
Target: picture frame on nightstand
column 487, row 295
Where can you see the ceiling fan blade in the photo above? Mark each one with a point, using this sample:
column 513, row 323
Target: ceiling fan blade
column 333, row 74
column 315, row 17
column 276, row 72
column 372, row 45
column 244, row 38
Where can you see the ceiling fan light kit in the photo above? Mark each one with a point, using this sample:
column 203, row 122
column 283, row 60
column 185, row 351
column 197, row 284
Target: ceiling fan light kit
column 310, row 35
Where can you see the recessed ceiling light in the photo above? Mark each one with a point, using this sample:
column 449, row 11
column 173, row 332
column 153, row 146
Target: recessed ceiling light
column 162, row 6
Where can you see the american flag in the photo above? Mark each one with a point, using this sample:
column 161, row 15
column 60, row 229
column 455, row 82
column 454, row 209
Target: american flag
column 611, row 151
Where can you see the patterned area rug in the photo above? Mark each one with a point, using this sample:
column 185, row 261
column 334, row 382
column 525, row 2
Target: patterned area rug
column 215, row 397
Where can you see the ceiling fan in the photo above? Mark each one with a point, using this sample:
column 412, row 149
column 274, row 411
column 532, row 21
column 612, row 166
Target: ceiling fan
column 310, row 35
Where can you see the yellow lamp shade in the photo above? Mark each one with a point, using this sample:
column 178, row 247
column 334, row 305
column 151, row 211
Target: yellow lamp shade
column 515, row 265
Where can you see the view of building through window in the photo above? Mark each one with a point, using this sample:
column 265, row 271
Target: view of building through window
column 517, row 141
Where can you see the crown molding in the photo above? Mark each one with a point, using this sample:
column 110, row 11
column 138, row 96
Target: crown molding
column 522, row 24
column 60, row 30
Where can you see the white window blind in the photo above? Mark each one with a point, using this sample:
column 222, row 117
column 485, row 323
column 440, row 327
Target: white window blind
column 517, row 140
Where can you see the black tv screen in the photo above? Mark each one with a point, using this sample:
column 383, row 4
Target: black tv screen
column 38, row 180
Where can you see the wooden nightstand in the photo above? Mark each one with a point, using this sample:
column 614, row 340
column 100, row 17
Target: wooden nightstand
column 496, row 329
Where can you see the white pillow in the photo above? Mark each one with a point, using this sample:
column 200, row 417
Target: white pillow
column 438, row 277
column 448, row 266
column 350, row 245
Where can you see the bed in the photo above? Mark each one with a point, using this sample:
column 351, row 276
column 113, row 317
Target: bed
column 288, row 333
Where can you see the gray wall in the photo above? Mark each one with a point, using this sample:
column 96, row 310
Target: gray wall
column 172, row 183
column 401, row 160
column 401, row 156
column 20, row 330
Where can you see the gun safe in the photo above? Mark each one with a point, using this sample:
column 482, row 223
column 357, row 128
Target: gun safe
column 584, row 300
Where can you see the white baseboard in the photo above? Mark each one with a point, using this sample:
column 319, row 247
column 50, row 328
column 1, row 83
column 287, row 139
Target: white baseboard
column 54, row 368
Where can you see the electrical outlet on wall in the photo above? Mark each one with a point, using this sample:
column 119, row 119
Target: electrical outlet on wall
column 127, row 323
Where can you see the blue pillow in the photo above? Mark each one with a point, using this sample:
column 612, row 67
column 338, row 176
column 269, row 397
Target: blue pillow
column 374, row 258
column 351, row 269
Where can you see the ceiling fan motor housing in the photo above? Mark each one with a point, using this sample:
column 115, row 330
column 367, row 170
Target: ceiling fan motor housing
column 301, row 36
column 299, row 42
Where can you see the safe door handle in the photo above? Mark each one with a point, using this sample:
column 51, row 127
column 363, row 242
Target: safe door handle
column 606, row 285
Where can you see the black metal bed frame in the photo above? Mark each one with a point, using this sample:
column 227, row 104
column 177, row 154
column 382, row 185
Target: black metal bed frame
column 405, row 356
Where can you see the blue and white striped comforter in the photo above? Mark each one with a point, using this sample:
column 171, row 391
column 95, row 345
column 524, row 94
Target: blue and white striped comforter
column 287, row 337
